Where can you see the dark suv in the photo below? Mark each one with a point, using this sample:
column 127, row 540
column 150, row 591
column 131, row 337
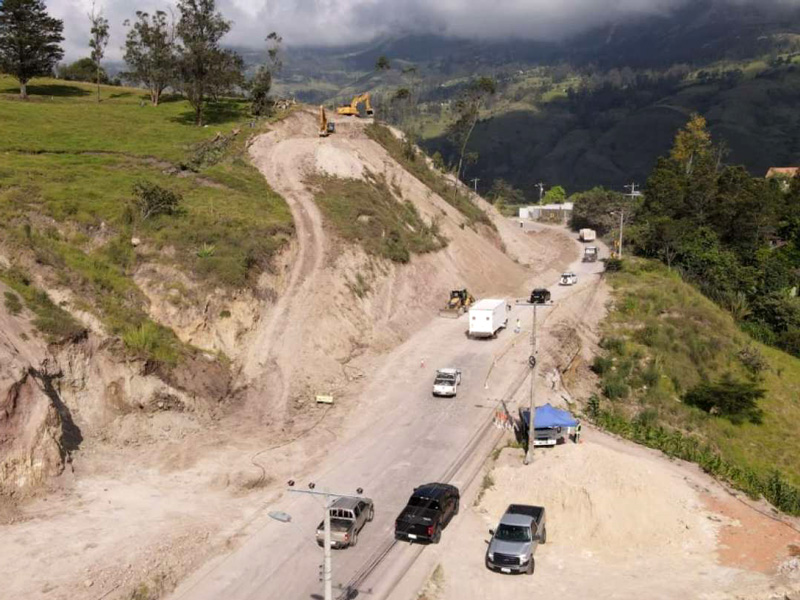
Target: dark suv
column 540, row 296
column 429, row 510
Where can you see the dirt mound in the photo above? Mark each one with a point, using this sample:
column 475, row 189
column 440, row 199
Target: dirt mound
column 587, row 489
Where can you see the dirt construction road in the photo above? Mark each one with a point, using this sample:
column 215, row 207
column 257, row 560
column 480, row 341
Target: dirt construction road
column 399, row 437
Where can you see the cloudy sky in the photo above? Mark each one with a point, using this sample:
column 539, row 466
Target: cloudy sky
column 337, row 22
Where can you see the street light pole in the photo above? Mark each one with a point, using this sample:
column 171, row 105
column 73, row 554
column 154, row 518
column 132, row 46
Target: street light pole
column 475, row 181
column 621, row 223
column 330, row 498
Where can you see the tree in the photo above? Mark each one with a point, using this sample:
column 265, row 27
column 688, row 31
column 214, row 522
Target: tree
column 30, row 41
column 261, row 84
column 503, row 192
column 98, row 42
column 259, row 92
column 82, row 69
column 150, row 53
column 467, row 111
column 274, row 59
column 382, row 64
column 206, row 69
column 555, row 195
column 692, row 142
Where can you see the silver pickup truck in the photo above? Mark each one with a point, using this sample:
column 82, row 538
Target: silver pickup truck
column 348, row 517
column 513, row 544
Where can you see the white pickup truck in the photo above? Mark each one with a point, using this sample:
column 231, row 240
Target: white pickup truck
column 446, row 382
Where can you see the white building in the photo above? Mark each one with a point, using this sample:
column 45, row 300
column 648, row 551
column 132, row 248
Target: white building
column 549, row 212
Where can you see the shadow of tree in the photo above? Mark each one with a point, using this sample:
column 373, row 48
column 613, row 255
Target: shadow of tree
column 49, row 89
column 221, row 111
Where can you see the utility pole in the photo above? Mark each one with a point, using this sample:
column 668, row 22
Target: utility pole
column 532, row 364
column 621, row 214
column 540, row 185
column 475, row 181
column 533, row 361
column 329, row 499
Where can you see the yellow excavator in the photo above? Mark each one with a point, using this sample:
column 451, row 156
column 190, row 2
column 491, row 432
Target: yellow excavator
column 325, row 127
column 351, row 110
column 458, row 304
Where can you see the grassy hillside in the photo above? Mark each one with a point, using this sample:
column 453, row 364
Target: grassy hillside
column 661, row 339
column 68, row 169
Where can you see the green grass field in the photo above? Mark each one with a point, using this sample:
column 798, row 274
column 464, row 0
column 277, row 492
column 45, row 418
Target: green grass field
column 662, row 338
column 68, row 166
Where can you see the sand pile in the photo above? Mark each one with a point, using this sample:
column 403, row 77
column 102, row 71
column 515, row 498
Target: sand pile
column 598, row 499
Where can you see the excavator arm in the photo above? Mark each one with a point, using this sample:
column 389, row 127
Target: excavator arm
column 352, row 110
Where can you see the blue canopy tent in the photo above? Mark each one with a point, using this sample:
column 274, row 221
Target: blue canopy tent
column 548, row 417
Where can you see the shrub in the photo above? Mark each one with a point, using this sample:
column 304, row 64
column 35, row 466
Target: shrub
column 13, row 303
column 152, row 199
column 614, row 265
column 789, row 341
column 752, row 359
column 615, row 388
column 152, row 342
column 602, row 365
column 729, row 398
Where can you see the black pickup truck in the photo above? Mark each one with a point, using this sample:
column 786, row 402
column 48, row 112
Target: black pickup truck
column 428, row 511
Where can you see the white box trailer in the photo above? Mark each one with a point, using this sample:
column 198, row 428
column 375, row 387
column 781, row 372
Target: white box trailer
column 487, row 317
column 588, row 235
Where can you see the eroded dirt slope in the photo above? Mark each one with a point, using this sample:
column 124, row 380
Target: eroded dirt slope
column 319, row 324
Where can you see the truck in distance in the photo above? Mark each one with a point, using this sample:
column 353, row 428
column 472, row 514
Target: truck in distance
column 446, row 382
column 587, row 235
column 348, row 517
column 522, row 528
column 590, row 254
column 487, row 317
column 429, row 510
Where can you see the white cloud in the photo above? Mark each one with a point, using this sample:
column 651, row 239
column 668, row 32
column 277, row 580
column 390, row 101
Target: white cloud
column 339, row 22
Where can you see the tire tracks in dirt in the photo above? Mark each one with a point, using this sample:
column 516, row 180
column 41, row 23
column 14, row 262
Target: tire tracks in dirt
column 269, row 362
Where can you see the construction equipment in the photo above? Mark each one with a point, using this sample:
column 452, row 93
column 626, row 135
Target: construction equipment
column 457, row 305
column 325, row 127
column 351, row 110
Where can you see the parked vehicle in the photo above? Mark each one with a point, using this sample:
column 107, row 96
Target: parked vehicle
column 587, row 235
column 348, row 517
column 568, row 278
column 590, row 254
column 513, row 544
column 429, row 510
column 540, row 296
column 446, row 382
column 457, row 304
column 487, row 317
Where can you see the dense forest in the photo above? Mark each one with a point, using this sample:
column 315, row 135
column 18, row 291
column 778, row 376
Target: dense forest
column 735, row 236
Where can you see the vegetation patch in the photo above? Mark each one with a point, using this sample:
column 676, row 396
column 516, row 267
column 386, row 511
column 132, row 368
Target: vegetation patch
column 676, row 373
column 52, row 320
column 415, row 163
column 366, row 212
column 92, row 191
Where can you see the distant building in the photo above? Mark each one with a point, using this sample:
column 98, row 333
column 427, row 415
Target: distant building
column 558, row 213
column 784, row 174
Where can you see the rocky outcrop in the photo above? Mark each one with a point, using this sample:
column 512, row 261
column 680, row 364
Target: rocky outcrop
column 32, row 438
column 53, row 399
